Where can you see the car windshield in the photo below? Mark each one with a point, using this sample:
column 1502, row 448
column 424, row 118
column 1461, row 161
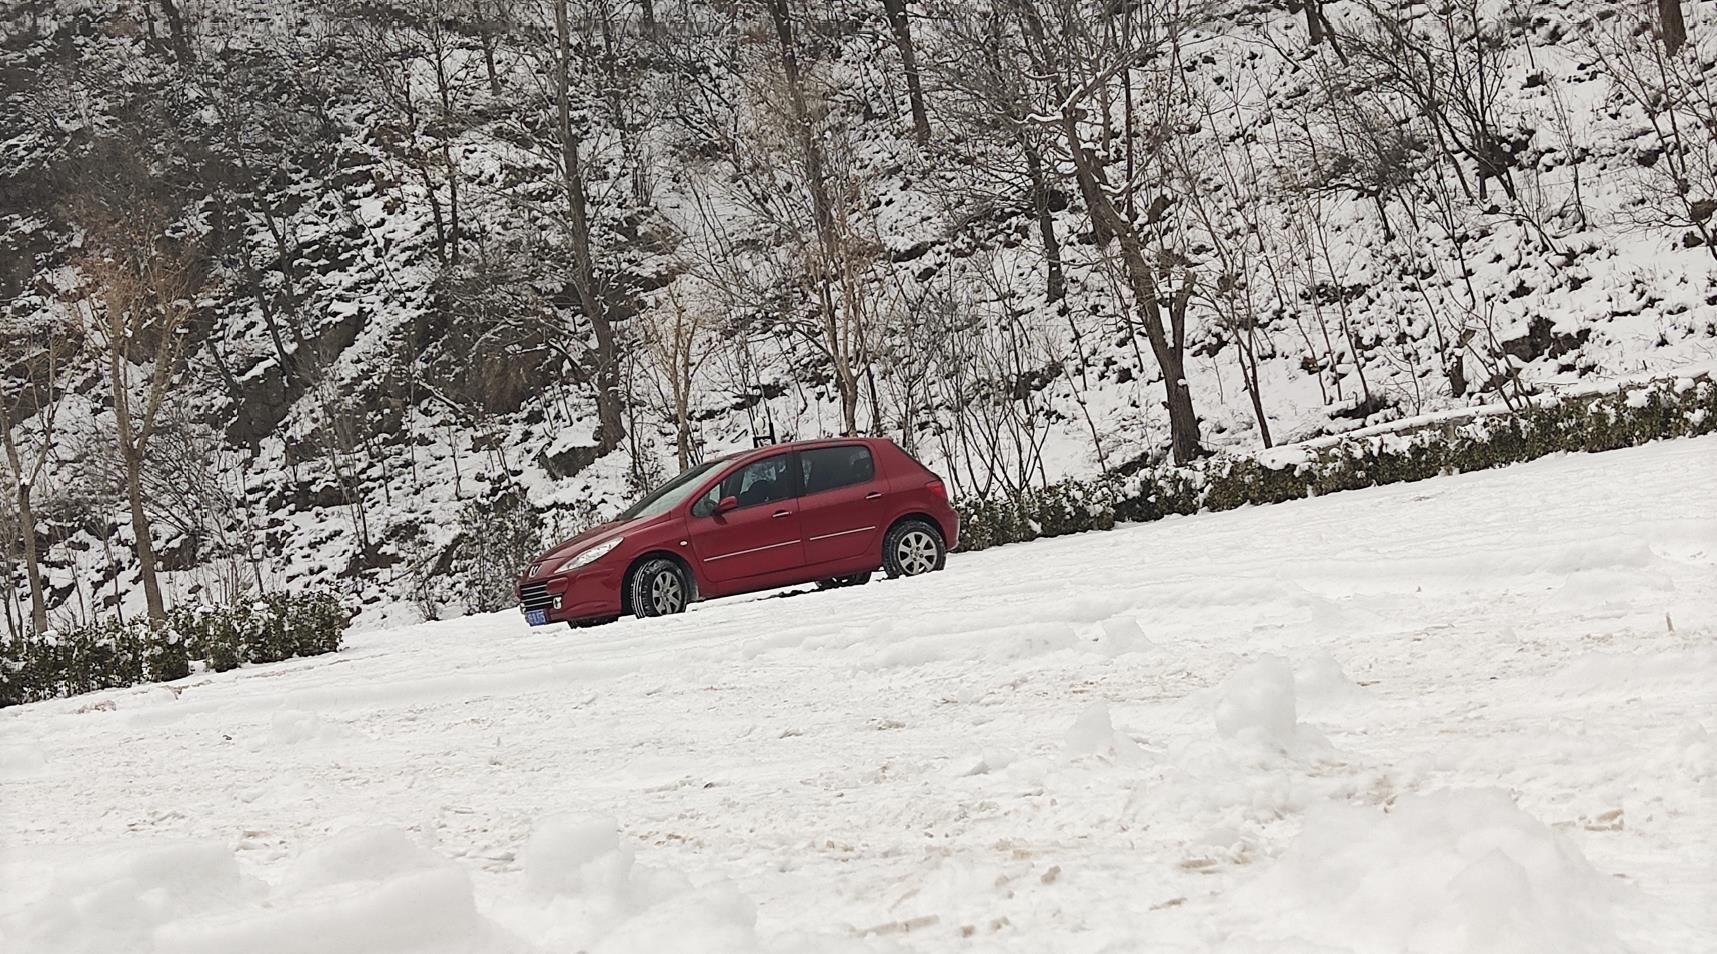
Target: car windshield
column 670, row 494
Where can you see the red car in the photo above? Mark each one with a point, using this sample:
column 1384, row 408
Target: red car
column 829, row 511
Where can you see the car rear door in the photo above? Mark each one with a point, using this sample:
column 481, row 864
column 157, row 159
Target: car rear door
column 841, row 503
column 761, row 536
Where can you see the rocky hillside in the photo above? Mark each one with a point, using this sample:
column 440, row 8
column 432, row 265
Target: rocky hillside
column 376, row 295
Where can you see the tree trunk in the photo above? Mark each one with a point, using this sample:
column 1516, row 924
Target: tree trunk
column 1169, row 349
column 1673, row 26
column 1314, row 21
column 1056, row 286
column 27, row 518
column 611, row 428
column 836, row 341
column 901, row 25
column 140, row 529
column 32, row 563
column 181, row 39
column 1168, row 343
column 812, row 151
column 131, row 457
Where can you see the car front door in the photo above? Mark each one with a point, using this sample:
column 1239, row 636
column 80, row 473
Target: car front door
column 760, row 536
column 841, row 503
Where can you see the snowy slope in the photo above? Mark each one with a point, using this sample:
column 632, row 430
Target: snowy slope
column 1471, row 714
column 1353, row 336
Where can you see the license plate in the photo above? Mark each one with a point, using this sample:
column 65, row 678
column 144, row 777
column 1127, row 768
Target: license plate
column 538, row 617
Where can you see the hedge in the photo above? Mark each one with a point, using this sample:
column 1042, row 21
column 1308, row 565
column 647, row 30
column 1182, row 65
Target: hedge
column 112, row 654
column 1632, row 415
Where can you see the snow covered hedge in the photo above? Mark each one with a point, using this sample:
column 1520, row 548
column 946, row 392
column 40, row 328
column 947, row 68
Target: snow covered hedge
column 1636, row 414
column 113, row 654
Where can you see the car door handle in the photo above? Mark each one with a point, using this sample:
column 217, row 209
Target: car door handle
column 782, row 513
column 873, row 495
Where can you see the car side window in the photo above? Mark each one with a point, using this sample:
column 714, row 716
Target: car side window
column 759, row 482
column 830, row 468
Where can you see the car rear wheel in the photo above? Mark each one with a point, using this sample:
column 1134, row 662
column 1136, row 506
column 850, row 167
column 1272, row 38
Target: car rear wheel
column 659, row 588
column 836, row 582
column 911, row 548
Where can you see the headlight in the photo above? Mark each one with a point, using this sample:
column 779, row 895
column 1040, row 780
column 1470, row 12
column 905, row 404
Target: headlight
column 589, row 556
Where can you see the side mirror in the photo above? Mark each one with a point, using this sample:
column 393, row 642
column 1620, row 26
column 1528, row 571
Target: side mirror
column 725, row 504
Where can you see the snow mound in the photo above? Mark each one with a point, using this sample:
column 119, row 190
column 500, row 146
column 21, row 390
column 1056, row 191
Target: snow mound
column 570, row 854
column 116, row 902
column 590, row 894
column 431, row 911
column 1257, row 704
column 1321, row 680
column 360, row 854
column 371, row 891
column 296, row 726
column 711, row 920
column 1120, row 635
column 22, row 759
column 1451, row 872
column 1093, row 733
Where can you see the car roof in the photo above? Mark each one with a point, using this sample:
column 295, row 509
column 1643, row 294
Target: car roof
column 809, row 443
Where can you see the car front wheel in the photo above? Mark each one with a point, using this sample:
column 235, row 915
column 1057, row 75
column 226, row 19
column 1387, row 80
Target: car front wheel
column 659, row 588
column 911, row 548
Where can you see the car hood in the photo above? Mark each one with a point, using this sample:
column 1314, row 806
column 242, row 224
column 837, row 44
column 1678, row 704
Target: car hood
column 545, row 562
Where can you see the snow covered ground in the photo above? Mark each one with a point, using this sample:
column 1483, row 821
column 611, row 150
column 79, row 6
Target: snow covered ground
column 1472, row 714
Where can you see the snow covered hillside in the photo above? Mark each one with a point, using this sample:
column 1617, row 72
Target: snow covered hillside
column 402, row 271
column 1473, row 714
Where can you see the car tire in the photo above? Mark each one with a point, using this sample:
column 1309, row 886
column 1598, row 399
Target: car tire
column 836, row 582
column 658, row 588
column 912, row 548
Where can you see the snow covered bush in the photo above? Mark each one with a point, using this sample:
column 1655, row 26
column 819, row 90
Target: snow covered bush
column 1068, row 507
column 275, row 627
column 112, row 654
column 496, row 538
column 1657, row 410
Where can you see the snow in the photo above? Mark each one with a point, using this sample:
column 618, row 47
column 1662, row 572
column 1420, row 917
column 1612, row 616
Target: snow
column 1472, row 714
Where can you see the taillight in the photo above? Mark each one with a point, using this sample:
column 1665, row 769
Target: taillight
column 936, row 487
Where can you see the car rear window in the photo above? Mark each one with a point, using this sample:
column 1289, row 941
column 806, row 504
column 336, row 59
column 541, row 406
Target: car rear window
column 830, row 468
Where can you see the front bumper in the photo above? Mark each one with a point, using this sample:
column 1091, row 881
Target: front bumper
column 589, row 593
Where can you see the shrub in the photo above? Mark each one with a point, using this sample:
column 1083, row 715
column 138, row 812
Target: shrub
column 110, row 654
column 1626, row 417
column 496, row 539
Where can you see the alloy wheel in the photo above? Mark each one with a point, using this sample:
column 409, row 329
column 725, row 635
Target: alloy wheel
column 666, row 593
column 916, row 552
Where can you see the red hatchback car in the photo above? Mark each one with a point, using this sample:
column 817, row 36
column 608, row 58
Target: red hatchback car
column 830, row 511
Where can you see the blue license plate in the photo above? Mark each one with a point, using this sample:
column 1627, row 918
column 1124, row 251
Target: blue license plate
column 536, row 617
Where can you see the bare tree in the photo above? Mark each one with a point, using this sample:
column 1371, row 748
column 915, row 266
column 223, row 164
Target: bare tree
column 611, row 428
column 1676, row 183
column 33, row 352
column 677, row 344
column 143, row 276
column 1077, row 63
column 989, row 99
column 1447, row 63
column 900, row 24
column 843, row 246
